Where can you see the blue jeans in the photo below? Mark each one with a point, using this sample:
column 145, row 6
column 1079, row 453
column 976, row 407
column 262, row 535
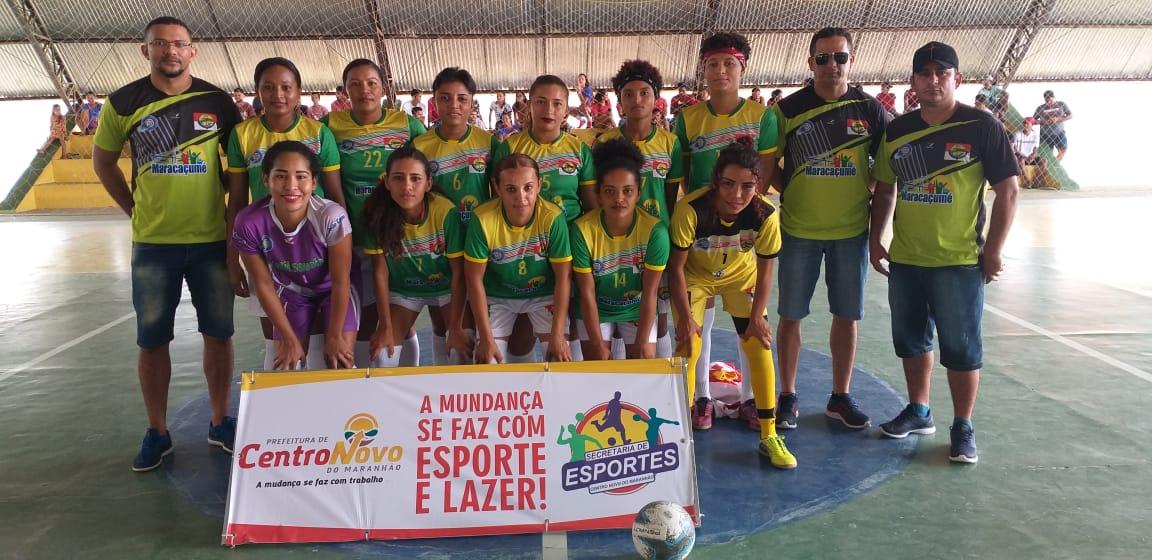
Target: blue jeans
column 158, row 275
column 846, row 263
column 949, row 300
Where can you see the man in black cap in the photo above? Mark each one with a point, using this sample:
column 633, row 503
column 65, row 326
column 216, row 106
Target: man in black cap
column 1051, row 116
column 941, row 158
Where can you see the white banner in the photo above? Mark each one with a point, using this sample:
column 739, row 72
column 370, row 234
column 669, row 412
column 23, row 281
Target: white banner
column 456, row 451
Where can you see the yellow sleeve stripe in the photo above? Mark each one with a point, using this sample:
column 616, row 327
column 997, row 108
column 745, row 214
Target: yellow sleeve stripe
column 560, row 259
column 470, row 258
column 331, row 168
column 769, row 151
column 655, row 267
column 455, row 255
column 581, row 270
column 240, row 170
column 588, row 183
column 373, row 251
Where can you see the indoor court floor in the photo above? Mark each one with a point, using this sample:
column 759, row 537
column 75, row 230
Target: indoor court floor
column 1063, row 420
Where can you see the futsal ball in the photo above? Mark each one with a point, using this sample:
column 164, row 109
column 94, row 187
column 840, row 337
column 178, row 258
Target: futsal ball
column 663, row 531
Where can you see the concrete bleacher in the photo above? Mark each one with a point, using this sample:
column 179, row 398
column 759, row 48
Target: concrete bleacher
column 71, row 183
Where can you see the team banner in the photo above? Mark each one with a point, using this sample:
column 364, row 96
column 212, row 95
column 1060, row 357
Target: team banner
column 351, row 455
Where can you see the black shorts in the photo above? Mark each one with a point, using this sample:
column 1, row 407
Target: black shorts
column 1055, row 140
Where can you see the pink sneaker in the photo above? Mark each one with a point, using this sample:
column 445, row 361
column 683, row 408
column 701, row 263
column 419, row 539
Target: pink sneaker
column 750, row 415
column 702, row 414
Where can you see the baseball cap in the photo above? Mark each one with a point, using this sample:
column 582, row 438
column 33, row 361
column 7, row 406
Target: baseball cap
column 935, row 52
column 1029, row 120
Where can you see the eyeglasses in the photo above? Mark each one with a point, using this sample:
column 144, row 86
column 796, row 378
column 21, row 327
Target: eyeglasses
column 161, row 44
column 822, row 58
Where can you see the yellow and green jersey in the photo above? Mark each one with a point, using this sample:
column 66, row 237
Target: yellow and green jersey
column 617, row 263
column 460, row 168
column 251, row 139
column 519, row 258
column 176, row 181
column 703, row 133
column 364, row 152
column 565, row 165
column 941, row 173
column 421, row 269
column 826, row 147
column 663, row 169
column 720, row 252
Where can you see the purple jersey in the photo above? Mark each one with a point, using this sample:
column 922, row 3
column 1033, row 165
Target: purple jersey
column 297, row 260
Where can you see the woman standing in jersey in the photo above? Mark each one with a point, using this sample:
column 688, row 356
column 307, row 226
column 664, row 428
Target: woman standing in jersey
column 460, row 156
column 637, row 86
column 618, row 254
column 724, row 240
column 367, row 135
column 278, row 85
column 415, row 240
column 518, row 262
column 704, row 129
column 297, row 248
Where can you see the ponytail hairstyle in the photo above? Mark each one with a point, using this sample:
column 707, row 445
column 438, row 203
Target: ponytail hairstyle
column 617, row 153
column 383, row 218
column 741, row 153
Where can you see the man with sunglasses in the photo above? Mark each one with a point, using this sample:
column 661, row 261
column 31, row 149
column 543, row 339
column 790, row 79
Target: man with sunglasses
column 827, row 133
column 942, row 158
column 175, row 124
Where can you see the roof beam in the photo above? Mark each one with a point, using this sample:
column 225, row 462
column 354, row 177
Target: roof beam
column 711, row 16
column 373, row 7
column 1034, row 18
column 29, row 18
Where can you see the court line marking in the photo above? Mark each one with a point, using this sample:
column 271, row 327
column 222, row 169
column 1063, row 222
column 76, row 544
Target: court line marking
column 1071, row 343
column 78, row 340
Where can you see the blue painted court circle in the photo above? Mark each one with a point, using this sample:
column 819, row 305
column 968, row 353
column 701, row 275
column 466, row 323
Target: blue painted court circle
column 740, row 492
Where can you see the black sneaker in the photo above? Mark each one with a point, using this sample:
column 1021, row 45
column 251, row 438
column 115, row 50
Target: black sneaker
column 963, row 448
column 844, row 409
column 223, row 435
column 787, row 411
column 152, row 451
column 907, row 422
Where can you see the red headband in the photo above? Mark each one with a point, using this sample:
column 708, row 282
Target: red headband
column 727, row 50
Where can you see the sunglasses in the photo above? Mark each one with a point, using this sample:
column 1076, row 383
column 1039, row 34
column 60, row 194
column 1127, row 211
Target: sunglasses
column 822, row 58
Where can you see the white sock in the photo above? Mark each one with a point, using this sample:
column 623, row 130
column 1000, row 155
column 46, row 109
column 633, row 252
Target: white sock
column 440, row 350
column 703, row 365
column 269, row 354
column 315, row 358
column 745, row 375
column 454, row 356
column 619, row 352
column 576, row 350
column 361, row 353
column 384, row 361
column 410, row 352
column 664, row 346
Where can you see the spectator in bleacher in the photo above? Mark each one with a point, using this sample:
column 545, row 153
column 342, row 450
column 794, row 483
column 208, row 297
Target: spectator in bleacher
column 176, row 205
column 88, row 116
column 418, row 114
column 886, row 98
column 777, row 96
column 702, row 95
column 497, row 109
column 317, row 110
column 601, row 111
column 520, row 109
column 57, row 132
column 681, row 100
column 757, row 97
column 660, row 107
column 413, row 103
column 257, row 106
column 1051, row 116
column 1026, row 143
column 995, row 97
column 584, row 90
column 244, row 107
column 342, row 102
column 584, row 94
column 506, row 127
column 911, row 101
column 981, row 103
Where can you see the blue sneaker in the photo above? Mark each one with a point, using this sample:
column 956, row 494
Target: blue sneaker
column 844, row 409
column 152, row 451
column 223, row 435
column 787, row 411
column 907, row 422
column 963, row 448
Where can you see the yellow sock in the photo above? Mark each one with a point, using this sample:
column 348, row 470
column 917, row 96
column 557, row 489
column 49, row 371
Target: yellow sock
column 763, row 383
column 693, row 356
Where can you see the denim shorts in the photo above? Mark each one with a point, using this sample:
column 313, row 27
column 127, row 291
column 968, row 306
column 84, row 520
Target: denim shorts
column 949, row 300
column 846, row 266
column 158, row 274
